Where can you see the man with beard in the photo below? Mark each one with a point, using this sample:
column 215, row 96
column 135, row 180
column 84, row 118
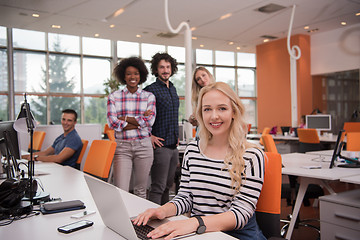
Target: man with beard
column 165, row 131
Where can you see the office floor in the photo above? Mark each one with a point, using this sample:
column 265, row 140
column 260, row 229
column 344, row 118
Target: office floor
column 310, row 212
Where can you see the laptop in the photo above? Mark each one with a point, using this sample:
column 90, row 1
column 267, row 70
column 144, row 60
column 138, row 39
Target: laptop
column 112, row 209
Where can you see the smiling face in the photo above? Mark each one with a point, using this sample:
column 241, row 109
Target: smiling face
column 164, row 70
column 132, row 78
column 68, row 122
column 217, row 113
column 202, row 78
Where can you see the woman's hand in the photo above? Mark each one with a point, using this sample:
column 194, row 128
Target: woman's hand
column 174, row 228
column 151, row 213
column 147, row 113
column 157, row 141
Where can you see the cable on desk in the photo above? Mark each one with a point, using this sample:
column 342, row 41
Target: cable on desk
column 320, row 159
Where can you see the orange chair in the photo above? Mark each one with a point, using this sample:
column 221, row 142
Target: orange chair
column 269, row 143
column 265, row 131
column 110, row 133
column 268, row 207
column 38, row 139
column 249, row 127
column 351, row 126
column 83, row 149
column 353, row 141
column 308, row 140
column 99, row 158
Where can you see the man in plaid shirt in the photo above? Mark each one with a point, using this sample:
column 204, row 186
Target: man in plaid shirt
column 165, row 131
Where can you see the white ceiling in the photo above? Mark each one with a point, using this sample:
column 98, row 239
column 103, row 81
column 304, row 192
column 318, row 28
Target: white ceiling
column 147, row 18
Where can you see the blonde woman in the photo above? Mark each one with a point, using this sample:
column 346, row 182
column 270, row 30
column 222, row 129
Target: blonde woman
column 201, row 78
column 222, row 174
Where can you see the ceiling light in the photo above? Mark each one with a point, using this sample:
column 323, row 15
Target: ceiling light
column 118, row 12
column 357, row 14
column 97, row 35
column 35, row 15
column 306, row 27
column 193, row 28
column 225, row 16
column 238, row 48
column 343, row 23
column 56, row 26
column 112, row 26
column 138, row 35
column 270, row 8
column 265, row 40
column 313, row 30
column 201, row 45
column 194, row 38
column 231, row 43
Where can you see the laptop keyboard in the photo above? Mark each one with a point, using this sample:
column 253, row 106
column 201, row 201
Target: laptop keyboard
column 142, row 231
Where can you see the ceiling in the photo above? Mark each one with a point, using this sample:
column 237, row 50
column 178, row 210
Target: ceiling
column 244, row 28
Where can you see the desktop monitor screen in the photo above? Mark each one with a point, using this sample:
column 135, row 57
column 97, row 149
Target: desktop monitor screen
column 320, row 122
column 7, row 131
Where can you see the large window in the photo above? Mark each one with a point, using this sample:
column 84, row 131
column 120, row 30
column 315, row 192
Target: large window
column 62, row 71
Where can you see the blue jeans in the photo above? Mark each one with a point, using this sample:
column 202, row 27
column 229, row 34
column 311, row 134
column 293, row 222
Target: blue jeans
column 251, row 231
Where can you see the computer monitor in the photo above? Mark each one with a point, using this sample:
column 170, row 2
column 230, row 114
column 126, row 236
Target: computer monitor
column 8, row 132
column 321, row 122
column 337, row 149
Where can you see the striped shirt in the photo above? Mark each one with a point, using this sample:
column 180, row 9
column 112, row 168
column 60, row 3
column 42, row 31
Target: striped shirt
column 166, row 124
column 205, row 187
column 124, row 103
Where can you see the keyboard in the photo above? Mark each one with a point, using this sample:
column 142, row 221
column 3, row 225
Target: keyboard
column 142, row 231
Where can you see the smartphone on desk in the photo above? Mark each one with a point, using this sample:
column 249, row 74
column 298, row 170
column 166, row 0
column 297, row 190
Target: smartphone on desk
column 72, row 227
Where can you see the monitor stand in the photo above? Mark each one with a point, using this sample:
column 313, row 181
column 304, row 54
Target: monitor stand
column 349, row 165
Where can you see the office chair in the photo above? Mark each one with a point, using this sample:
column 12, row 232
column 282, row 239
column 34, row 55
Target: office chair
column 265, row 131
column 38, row 139
column 83, row 149
column 109, row 133
column 249, row 127
column 269, row 143
column 268, row 207
column 99, row 158
column 353, row 141
column 308, row 140
column 351, row 127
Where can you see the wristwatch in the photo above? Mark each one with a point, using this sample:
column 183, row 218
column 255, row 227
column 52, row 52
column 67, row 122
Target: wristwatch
column 35, row 157
column 201, row 228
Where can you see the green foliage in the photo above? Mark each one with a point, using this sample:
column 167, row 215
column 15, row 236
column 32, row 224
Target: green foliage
column 111, row 85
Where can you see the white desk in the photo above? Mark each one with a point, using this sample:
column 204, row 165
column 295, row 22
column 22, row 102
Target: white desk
column 69, row 184
column 352, row 179
column 278, row 137
column 296, row 163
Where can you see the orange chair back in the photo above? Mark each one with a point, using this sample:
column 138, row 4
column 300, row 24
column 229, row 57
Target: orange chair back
column 308, row 135
column 270, row 196
column 353, row 141
column 249, row 127
column 38, row 139
column 351, row 126
column 99, row 158
column 83, row 149
column 106, row 127
column 265, row 131
column 111, row 134
column 269, row 143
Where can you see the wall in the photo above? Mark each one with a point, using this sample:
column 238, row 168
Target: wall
column 336, row 50
column 273, row 81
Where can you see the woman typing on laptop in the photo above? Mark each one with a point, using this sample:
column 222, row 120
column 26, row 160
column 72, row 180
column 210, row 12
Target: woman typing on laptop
column 222, row 174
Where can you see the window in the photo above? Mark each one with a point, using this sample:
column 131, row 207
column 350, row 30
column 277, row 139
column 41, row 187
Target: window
column 224, row 58
column 127, row 49
column 178, row 53
column 246, row 83
column 95, row 72
column 95, row 110
column 57, row 104
column 226, row 75
column 246, row 59
column 96, row 46
column 149, row 50
column 204, row 56
column 64, row 43
column 3, row 37
column 3, row 70
column 28, row 39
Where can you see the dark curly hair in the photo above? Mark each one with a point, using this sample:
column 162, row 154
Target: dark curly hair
column 163, row 56
column 136, row 62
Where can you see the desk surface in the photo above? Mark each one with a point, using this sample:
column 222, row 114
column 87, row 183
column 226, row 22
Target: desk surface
column 278, row 137
column 69, row 184
column 299, row 163
column 352, row 179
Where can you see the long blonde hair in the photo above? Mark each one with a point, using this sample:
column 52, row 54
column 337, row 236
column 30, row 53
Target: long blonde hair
column 195, row 88
column 234, row 160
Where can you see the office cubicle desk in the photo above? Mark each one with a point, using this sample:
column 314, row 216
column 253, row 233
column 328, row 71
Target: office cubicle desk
column 310, row 169
column 69, row 184
column 290, row 144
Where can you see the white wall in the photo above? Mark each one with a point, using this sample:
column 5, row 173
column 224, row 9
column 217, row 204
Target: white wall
column 88, row 132
column 336, row 50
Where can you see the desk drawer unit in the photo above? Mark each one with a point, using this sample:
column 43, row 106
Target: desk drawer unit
column 340, row 216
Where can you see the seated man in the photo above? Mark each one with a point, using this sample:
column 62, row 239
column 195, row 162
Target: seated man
column 67, row 147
